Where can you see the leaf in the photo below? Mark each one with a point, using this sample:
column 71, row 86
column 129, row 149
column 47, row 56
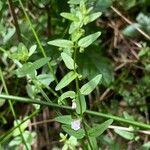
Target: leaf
column 87, row 88
column 131, row 31
column 79, row 134
column 99, row 129
column 88, row 40
column 94, row 16
column 68, row 94
column 9, row 34
column 70, row 16
column 40, row 62
column 23, row 126
column 26, row 69
column 81, row 106
column 32, row 49
column 61, row 43
column 93, row 142
column 69, row 62
column 45, row 79
column 125, row 134
column 92, row 64
column 21, row 54
column 77, row 34
column 68, row 78
column 2, row 102
column 74, row 2
column 102, row 5
column 66, row 119
column 30, row 68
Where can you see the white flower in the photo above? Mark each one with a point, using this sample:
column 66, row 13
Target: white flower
column 76, row 124
column 74, row 105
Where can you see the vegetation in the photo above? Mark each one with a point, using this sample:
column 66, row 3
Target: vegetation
column 74, row 74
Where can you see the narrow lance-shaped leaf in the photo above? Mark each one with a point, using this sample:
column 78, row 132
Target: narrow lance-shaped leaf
column 68, row 94
column 94, row 16
column 99, row 129
column 61, row 43
column 70, row 16
column 68, row 78
column 88, row 40
column 74, row 2
column 66, row 119
column 81, row 104
column 40, row 62
column 69, row 62
column 87, row 88
column 125, row 134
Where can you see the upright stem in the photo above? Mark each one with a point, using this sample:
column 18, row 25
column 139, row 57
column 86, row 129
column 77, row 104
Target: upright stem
column 37, row 39
column 78, row 96
column 12, row 9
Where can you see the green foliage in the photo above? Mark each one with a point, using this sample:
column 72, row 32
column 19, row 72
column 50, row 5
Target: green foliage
column 91, row 85
column 125, row 134
column 67, row 79
column 56, row 55
column 99, row 129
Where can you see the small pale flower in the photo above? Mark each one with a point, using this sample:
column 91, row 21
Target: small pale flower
column 74, row 105
column 76, row 124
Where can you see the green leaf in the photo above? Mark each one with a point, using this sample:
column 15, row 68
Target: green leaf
column 23, row 126
column 9, row 34
column 94, row 63
column 79, row 134
column 2, row 102
column 77, row 34
column 102, row 5
column 91, row 85
column 93, row 143
column 68, row 78
column 21, row 54
column 30, row 68
column 88, row 40
column 45, row 79
column 40, row 62
column 125, row 134
column 131, row 31
column 70, row 16
column 32, row 49
column 99, row 129
column 26, row 69
column 69, row 62
column 61, row 43
column 66, row 119
column 81, row 106
column 94, row 16
column 74, row 2
column 68, row 94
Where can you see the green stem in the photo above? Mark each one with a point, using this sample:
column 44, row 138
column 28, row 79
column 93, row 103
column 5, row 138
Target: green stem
column 86, row 134
column 12, row 109
column 76, row 80
column 78, row 93
column 9, row 133
column 37, row 39
column 108, row 116
column 3, row 50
